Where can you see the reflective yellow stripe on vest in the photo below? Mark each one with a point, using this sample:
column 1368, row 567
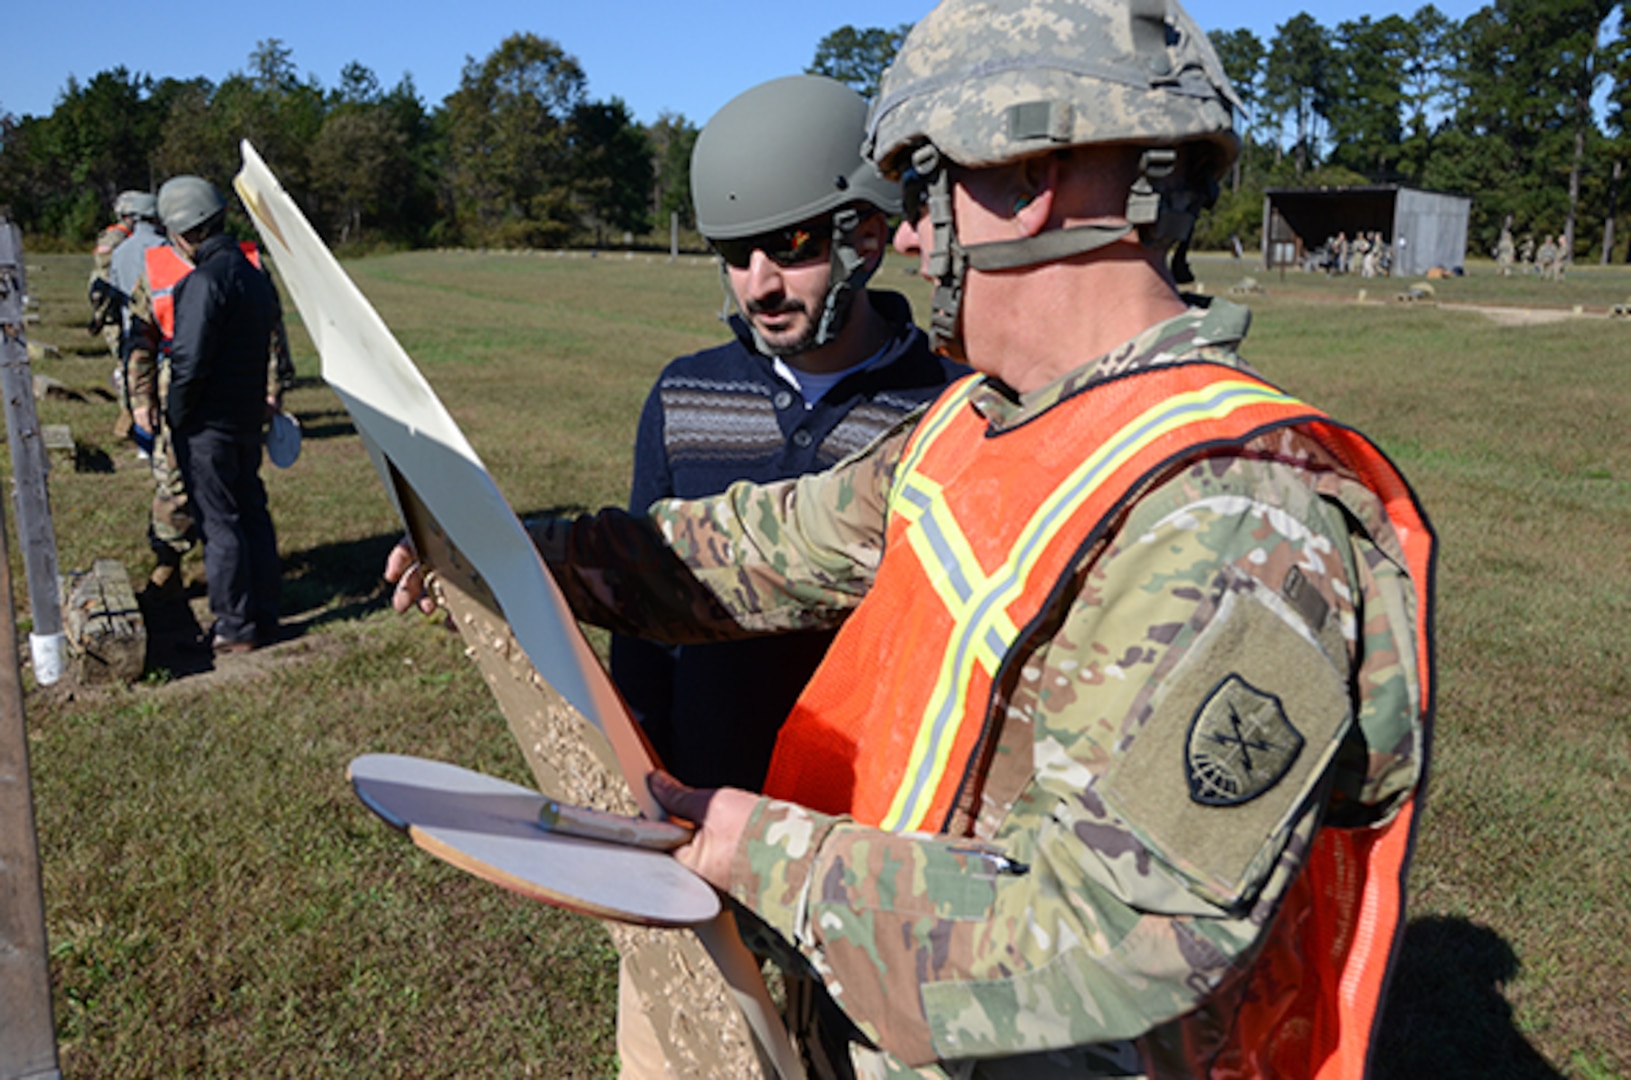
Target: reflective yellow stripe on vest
column 978, row 601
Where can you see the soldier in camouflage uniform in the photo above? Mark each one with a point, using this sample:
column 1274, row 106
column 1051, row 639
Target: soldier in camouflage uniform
column 1505, row 250
column 107, row 302
column 1111, row 768
column 1546, row 259
column 123, row 274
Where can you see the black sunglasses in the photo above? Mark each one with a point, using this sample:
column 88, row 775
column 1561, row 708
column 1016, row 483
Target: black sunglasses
column 792, row 246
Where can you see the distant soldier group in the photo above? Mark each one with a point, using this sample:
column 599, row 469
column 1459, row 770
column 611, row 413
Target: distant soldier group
column 1550, row 259
column 1367, row 250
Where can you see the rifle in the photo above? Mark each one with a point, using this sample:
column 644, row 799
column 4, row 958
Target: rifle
column 106, row 303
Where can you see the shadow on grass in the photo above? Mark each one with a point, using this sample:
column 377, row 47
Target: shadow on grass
column 324, row 423
column 325, row 584
column 333, row 582
column 1446, row 1017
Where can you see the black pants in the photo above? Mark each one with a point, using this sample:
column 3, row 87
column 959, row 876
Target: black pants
column 222, row 473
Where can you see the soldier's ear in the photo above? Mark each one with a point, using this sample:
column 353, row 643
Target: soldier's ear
column 871, row 235
column 1036, row 182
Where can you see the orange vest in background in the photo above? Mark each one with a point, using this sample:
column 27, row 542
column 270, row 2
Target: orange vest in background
column 981, row 535
column 165, row 268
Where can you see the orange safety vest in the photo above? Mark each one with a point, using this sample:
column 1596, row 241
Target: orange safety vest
column 118, row 226
column 165, row 268
column 950, row 604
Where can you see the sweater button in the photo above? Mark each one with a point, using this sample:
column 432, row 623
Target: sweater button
column 802, row 438
column 783, row 399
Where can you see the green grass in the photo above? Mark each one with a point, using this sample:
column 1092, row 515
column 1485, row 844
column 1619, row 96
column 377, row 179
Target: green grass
column 219, row 904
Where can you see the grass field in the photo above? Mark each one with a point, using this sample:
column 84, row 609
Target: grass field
column 219, row 904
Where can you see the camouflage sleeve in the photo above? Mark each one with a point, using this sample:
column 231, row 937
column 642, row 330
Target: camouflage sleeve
column 792, row 555
column 142, row 341
column 102, row 256
column 279, row 362
column 1185, row 720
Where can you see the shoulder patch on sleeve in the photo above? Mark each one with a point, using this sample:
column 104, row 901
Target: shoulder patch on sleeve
column 1240, row 736
column 1240, row 745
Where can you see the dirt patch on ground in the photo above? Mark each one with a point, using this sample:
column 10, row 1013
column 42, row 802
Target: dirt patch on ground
column 1518, row 316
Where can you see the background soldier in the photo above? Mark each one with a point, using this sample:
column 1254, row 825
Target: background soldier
column 1505, row 250
column 124, row 272
column 107, row 303
column 1546, row 259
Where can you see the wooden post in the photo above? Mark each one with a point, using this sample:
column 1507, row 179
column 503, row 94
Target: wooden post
column 28, row 1043
column 28, row 465
column 673, row 235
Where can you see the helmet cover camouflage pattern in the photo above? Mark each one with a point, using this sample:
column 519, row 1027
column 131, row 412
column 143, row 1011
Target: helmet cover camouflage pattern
column 990, row 81
column 130, row 204
column 144, row 204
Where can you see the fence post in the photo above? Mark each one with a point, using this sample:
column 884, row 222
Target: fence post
column 28, row 466
column 28, row 1046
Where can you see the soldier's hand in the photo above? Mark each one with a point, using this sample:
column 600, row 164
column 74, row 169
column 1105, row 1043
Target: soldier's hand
column 147, row 416
column 403, row 570
column 720, row 815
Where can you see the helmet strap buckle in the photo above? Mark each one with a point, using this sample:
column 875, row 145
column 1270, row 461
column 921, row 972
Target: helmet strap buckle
column 849, row 274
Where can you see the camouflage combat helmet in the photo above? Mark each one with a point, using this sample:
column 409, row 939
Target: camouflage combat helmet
column 186, row 202
column 784, row 153
column 983, row 82
column 129, row 204
column 144, row 205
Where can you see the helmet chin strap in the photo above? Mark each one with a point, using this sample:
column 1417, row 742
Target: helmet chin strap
column 1161, row 216
column 850, row 274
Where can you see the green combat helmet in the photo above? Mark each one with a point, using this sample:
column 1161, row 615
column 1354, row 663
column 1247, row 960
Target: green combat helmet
column 983, row 82
column 784, row 153
column 186, row 202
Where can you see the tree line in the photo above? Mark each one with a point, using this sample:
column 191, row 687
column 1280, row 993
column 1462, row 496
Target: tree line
column 1525, row 106
column 517, row 155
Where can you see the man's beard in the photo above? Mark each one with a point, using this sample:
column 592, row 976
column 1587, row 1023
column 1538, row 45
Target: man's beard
column 805, row 340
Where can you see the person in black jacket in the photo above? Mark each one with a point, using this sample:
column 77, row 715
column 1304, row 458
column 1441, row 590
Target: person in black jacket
column 225, row 313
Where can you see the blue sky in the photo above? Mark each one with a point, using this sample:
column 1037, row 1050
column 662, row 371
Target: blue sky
column 689, row 56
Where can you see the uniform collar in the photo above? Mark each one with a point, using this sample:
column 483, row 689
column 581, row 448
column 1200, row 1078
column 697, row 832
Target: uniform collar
column 1211, row 329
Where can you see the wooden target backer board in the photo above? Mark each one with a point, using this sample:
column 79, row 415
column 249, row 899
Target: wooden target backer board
column 489, row 827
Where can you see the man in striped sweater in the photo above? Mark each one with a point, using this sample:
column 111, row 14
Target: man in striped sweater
column 816, row 368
